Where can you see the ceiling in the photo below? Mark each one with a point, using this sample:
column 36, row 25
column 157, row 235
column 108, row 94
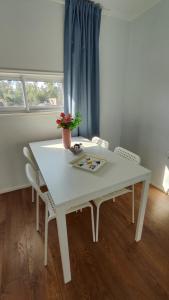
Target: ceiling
column 123, row 9
column 126, row 9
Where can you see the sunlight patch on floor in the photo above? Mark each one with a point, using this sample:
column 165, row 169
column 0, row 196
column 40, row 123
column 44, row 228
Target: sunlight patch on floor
column 166, row 179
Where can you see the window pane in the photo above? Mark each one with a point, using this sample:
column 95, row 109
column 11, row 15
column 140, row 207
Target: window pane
column 42, row 94
column 11, row 93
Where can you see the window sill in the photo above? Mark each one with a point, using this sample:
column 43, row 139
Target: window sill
column 29, row 113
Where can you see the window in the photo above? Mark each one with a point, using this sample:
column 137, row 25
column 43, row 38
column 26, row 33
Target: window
column 11, row 93
column 28, row 92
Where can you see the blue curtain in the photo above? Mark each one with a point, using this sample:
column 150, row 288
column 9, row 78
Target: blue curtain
column 81, row 63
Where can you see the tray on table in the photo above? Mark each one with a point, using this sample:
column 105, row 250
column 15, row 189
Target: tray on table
column 89, row 162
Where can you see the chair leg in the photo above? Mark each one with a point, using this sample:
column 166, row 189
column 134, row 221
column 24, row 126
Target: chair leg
column 92, row 220
column 113, row 199
column 37, row 211
column 97, row 222
column 46, row 237
column 33, row 194
column 133, row 204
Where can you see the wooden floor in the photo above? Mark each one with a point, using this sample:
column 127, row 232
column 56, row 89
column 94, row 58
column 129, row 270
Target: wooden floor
column 114, row 268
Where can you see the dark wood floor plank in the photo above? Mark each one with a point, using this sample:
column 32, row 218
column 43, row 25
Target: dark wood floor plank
column 15, row 276
column 114, row 268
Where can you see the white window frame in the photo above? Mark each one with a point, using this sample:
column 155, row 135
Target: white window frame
column 30, row 76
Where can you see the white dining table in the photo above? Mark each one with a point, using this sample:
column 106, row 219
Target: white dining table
column 70, row 186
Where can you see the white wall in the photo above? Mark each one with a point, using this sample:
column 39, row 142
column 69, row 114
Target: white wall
column 146, row 109
column 31, row 35
column 113, row 55
column 17, row 131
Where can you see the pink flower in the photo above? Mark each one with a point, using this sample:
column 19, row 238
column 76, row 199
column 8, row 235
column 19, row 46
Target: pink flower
column 67, row 118
column 58, row 121
column 62, row 114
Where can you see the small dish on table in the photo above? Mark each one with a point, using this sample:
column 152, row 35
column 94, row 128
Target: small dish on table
column 76, row 149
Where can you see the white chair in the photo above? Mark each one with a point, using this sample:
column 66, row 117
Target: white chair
column 100, row 142
column 50, row 212
column 39, row 180
column 30, row 159
column 135, row 159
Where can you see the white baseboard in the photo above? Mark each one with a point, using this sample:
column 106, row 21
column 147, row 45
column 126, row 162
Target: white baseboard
column 14, row 188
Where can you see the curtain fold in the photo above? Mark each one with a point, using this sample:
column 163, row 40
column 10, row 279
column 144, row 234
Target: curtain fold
column 81, row 63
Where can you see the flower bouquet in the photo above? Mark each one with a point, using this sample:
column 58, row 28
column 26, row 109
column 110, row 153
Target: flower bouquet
column 68, row 123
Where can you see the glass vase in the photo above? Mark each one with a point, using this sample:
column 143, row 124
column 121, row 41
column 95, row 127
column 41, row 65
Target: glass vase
column 66, row 138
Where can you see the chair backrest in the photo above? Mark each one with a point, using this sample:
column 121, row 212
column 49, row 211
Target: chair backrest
column 100, row 142
column 29, row 157
column 31, row 175
column 128, row 154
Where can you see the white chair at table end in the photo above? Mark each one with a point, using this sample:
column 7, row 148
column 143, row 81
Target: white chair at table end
column 135, row 159
column 128, row 154
column 50, row 210
column 30, row 159
column 100, row 142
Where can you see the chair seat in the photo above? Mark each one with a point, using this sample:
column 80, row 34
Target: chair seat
column 109, row 196
column 78, row 207
column 51, row 206
column 41, row 180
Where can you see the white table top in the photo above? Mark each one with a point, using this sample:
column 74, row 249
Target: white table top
column 69, row 184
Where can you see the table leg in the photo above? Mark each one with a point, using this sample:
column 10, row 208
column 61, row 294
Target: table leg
column 142, row 208
column 63, row 243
